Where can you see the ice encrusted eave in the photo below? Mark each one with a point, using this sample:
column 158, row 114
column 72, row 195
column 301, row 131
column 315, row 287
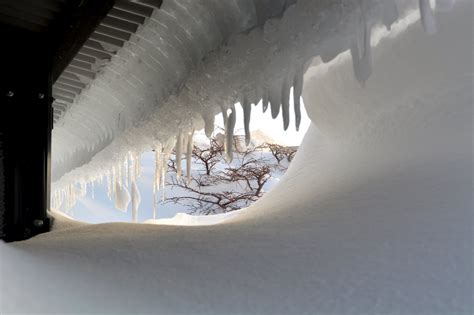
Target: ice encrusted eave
column 261, row 64
column 153, row 65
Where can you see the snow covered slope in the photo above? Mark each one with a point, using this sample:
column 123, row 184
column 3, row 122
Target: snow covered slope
column 374, row 215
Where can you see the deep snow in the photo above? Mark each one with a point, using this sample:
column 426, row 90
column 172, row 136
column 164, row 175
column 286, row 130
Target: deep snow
column 374, row 215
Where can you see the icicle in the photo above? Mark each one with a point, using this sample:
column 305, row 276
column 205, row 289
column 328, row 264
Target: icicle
column 155, row 183
column 331, row 48
column 185, row 143
column 84, row 189
column 265, row 101
column 119, row 174
column 114, row 179
column 121, row 197
column 362, row 63
column 275, row 101
column 427, row 16
column 297, row 91
column 127, row 171
column 93, row 190
column 164, row 163
column 390, row 13
column 179, row 147
column 285, row 103
column 136, row 200
column 229, row 145
column 155, row 205
column 224, row 116
column 155, row 176
column 138, row 166
column 189, row 154
column 163, row 178
column 247, row 108
column 155, row 180
column 167, row 149
column 109, row 186
column 208, row 124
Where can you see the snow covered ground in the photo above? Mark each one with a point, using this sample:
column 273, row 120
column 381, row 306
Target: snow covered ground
column 374, row 216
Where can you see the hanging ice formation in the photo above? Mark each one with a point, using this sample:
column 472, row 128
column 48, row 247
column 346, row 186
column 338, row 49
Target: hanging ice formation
column 179, row 153
column 133, row 167
column 247, row 108
column 361, row 52
column 427, row 16
column 229, row 141
column 162, row 155
column 163, row 87
column 189, row 155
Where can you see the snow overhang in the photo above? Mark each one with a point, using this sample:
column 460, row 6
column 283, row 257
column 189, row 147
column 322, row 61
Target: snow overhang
column 113, row 31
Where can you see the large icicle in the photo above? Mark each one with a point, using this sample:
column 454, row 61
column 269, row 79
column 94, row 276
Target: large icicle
column 157, row 177
column 390, row 13
column 136, row 200
column 189, row 155
column 285, row 103
column 297, row 91
column 275, row 98
column 208, row 124
column 121, row 197
column 427, row 16
column 224, row 115
column 93, row 190
column 265, row 101
column 361, row 54
column 167, row 149
column 179, row 147
column 229, row 144
column 247, row 108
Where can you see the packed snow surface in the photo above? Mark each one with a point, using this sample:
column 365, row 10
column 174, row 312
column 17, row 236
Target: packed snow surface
column 374, row 215
column 184, row 219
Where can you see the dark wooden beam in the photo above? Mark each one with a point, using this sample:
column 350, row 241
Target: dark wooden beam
column 127, row 16
column 57, row 90
column 151, row 3
column 108, row 40
column 120, row 24
column 95, row 53
column 26, row 121
column 73, row 28
column 85, row 58
column 133, row 7
column 67, row 87
column 112, row 32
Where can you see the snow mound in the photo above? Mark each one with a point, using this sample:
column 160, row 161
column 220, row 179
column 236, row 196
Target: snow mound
column 185, row 219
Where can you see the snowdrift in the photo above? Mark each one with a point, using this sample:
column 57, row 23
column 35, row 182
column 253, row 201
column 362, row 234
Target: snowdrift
column 374, row 215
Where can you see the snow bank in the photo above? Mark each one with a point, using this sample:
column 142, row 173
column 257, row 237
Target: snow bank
column 374, row 215
column 184, row 219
